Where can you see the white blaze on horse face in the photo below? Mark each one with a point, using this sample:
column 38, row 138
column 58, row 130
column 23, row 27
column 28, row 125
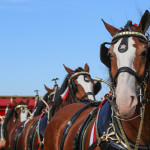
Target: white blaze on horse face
column 24, row 114
column 125, row 90
column 87, row 85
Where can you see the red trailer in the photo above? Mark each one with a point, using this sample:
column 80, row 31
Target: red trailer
column 5, row 100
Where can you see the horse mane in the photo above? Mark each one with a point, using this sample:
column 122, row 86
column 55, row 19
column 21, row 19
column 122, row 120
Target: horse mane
column 8, row 116
column 41, row 105
column 58, row 100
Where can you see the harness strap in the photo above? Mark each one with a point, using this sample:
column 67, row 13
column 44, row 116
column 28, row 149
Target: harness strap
column 70, row 123
column 30, row 136
column 72, row 120
column 84, row 128
column 33, row 138
column 16, row 135
column 86, row 94
column 97, row 142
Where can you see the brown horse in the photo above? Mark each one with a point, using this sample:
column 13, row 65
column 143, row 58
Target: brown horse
column 21, row 141
column 77, row 85
column 122, row 120
column 81, row 88
column 14, row 118
column 31, row 137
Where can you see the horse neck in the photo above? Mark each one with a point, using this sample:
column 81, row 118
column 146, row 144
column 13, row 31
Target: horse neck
column 131, row 127
column 64, row 102
column 11, row 122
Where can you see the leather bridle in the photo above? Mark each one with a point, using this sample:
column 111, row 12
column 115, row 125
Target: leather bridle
column 141, row 80
column 72, row 86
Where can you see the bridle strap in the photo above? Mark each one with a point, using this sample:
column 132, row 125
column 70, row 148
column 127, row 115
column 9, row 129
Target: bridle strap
column 20, row 106
column 79, row 73
column 25, row 107
column 129, row 70
column 70, row 80
column 129, row 33
column 86, row 94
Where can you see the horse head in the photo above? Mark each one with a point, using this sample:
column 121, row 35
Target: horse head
column 128, row 59
column 21, row 110
column 81, row 83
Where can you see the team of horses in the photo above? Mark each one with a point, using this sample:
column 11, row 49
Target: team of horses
column 70, row 118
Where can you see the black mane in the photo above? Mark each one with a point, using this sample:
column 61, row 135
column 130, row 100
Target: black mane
column 57, row 100
column 41, row 105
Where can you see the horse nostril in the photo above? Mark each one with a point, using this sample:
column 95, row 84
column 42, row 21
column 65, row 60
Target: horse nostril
column 133, row 101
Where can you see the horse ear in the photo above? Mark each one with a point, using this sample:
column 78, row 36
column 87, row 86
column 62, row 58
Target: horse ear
column 86, row 67
column 47, row 89
column 27, row 100
column 112, row 30
column 70, row 72
column 145, row 21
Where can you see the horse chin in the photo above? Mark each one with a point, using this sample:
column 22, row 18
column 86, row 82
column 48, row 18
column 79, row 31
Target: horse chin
column 122, row 112
column 126, row 113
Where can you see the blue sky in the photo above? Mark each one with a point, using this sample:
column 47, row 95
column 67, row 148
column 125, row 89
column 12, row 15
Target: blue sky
column 38, row 36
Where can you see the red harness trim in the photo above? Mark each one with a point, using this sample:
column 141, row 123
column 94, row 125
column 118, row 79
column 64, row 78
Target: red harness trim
column 65, row 94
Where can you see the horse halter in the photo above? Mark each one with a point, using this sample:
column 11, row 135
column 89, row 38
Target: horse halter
column 72, row 86
column 23, row 106
column 123, row 47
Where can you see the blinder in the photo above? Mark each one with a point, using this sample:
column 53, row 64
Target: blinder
column 104, row 57
column 97, row 87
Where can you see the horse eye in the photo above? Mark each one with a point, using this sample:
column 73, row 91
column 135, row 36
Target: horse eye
column 23, row 110
column 86, row 79
column 144, row 53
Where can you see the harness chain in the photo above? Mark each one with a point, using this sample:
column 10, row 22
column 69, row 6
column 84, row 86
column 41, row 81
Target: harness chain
column 139, row 132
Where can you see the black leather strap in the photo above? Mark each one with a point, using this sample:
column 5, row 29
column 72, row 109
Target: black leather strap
column 86, row 94
column 87, row 121
column 70, row 123
column 129, row 70
column 93, row 145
